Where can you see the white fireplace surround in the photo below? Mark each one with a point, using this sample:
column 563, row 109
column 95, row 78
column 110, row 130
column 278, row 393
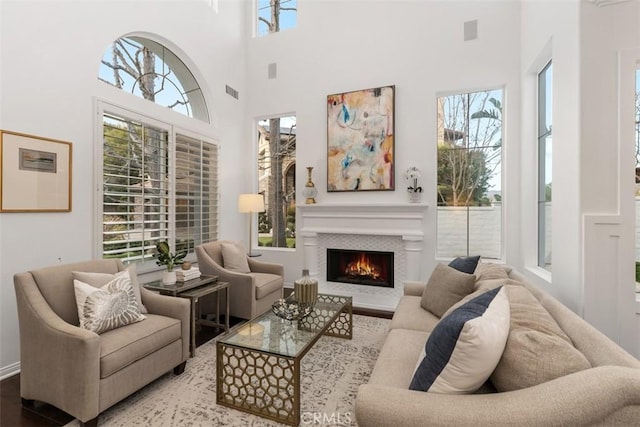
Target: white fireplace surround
column 397, row 228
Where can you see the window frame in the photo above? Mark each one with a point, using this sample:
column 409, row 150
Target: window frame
column 196, row 106
column 265, row 176
column 503, row 168
column 173, row 129
column 541, row 141
column 256, row 19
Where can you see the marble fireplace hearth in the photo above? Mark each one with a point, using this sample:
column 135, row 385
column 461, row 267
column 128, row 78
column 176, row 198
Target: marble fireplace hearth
column 397, row 228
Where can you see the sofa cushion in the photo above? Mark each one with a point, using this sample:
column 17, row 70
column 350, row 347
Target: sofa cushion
column 398, row 357
column 537, row 350
column 109, row 307
column 121, row 347
column 490, row 270
column 465, row 264
column 465, row 347
column 409, row 314
column 445, row 287
column 266, row 283
column 100, row 279
column 234, row 257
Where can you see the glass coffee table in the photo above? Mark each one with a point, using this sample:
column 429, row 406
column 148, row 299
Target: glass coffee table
column 258, row 362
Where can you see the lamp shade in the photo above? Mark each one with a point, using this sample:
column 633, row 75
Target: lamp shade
column 251, row 203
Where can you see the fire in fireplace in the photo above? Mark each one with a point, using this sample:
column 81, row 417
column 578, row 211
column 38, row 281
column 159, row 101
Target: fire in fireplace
column 370, row 268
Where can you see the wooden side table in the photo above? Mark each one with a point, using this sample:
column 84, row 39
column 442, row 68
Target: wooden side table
column 194, row 290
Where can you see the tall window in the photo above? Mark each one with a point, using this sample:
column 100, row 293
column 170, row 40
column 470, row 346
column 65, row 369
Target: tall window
column 545, row 156
column 276, row 15
column 160, row 183
column 151, row 71
column 469, row 175
column 155, row 189
column 638, row 182
column 276, row 181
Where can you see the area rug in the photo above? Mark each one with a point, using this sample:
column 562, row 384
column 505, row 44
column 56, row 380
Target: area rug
column 330, row 375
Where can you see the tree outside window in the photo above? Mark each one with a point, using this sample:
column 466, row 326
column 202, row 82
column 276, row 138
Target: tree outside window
column 469, row 174
column 276, row 15
column 276, row 180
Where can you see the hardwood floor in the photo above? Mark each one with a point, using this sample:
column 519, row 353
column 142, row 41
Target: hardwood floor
column 12, row 414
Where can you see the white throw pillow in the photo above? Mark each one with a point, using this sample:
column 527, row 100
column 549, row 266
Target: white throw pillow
column 465, row 346
column 98, row 280
column 109, row 307
column 234, row 257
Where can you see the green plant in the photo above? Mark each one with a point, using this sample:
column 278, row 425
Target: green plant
column 638, row 272
column 165, row 257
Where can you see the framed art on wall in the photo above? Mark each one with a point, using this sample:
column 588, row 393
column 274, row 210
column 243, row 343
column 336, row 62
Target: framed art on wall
column 35, row 173
column 360, row 140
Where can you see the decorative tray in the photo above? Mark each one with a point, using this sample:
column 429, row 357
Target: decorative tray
column 290, row 310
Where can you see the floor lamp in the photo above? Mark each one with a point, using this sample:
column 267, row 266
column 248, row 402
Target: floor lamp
column 250, row 203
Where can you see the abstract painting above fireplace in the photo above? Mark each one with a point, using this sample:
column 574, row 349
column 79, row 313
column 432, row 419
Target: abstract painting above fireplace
column 360, row 267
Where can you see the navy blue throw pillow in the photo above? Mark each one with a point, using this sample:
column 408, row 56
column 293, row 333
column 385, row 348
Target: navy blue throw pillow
column 466, row 265
column 465, row 346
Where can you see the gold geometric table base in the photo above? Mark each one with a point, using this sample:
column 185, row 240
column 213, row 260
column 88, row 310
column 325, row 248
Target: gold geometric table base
column 266, row 384
column 259, row 383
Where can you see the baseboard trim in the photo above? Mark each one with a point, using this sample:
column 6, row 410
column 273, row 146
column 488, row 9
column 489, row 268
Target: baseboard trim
column 9, row 371
column 373, row 312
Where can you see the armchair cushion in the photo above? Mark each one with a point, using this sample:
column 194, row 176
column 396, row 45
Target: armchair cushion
column 266, row 283
column 122, row 347
column 100, row 279
column 109, row 307
column 234, row 258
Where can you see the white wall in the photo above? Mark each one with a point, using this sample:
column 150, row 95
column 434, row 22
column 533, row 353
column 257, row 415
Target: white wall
column 338, row 46
column 50, row 56
column 417, row 46
column 552, row 28
column 590, row 231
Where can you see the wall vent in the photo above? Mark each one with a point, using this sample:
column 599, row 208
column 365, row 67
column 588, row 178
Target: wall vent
column 471, row 30
column 273, row 70
column 231, row 91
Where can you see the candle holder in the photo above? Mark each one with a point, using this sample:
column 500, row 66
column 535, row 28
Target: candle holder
column 310, row 191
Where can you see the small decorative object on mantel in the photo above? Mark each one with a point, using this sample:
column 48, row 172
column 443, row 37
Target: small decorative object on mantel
column 305, row 289
column 166, row 258
column 310, row 191
column 415, row 191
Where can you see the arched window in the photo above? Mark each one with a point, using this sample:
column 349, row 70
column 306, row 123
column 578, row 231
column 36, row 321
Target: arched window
column 149, row 70
column 159, row 175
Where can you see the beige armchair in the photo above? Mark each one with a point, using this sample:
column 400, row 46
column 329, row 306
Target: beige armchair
column 79, row 371
column 250, row 294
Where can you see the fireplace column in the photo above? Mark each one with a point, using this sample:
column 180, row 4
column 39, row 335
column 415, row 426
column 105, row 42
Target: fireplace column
column 413, row 250
column 310, row 244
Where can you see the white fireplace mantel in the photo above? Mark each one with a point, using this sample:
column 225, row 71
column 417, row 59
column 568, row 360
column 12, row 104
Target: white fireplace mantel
column 389, row 219
column 359, row 222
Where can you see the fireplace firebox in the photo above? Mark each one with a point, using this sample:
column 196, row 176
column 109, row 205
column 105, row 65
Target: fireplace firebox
column 360, row 267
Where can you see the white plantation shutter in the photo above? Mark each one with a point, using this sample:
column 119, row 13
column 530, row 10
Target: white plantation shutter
column 146, row 199
column 196, row 189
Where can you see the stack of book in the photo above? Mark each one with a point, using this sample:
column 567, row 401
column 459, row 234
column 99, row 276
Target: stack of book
column 184, row 275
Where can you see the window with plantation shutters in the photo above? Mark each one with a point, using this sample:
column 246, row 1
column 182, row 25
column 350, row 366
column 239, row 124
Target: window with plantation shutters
column 158, row 185
column 196, row 189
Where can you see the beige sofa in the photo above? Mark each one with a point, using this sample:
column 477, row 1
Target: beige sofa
column 606, row 394
column 79, row 371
